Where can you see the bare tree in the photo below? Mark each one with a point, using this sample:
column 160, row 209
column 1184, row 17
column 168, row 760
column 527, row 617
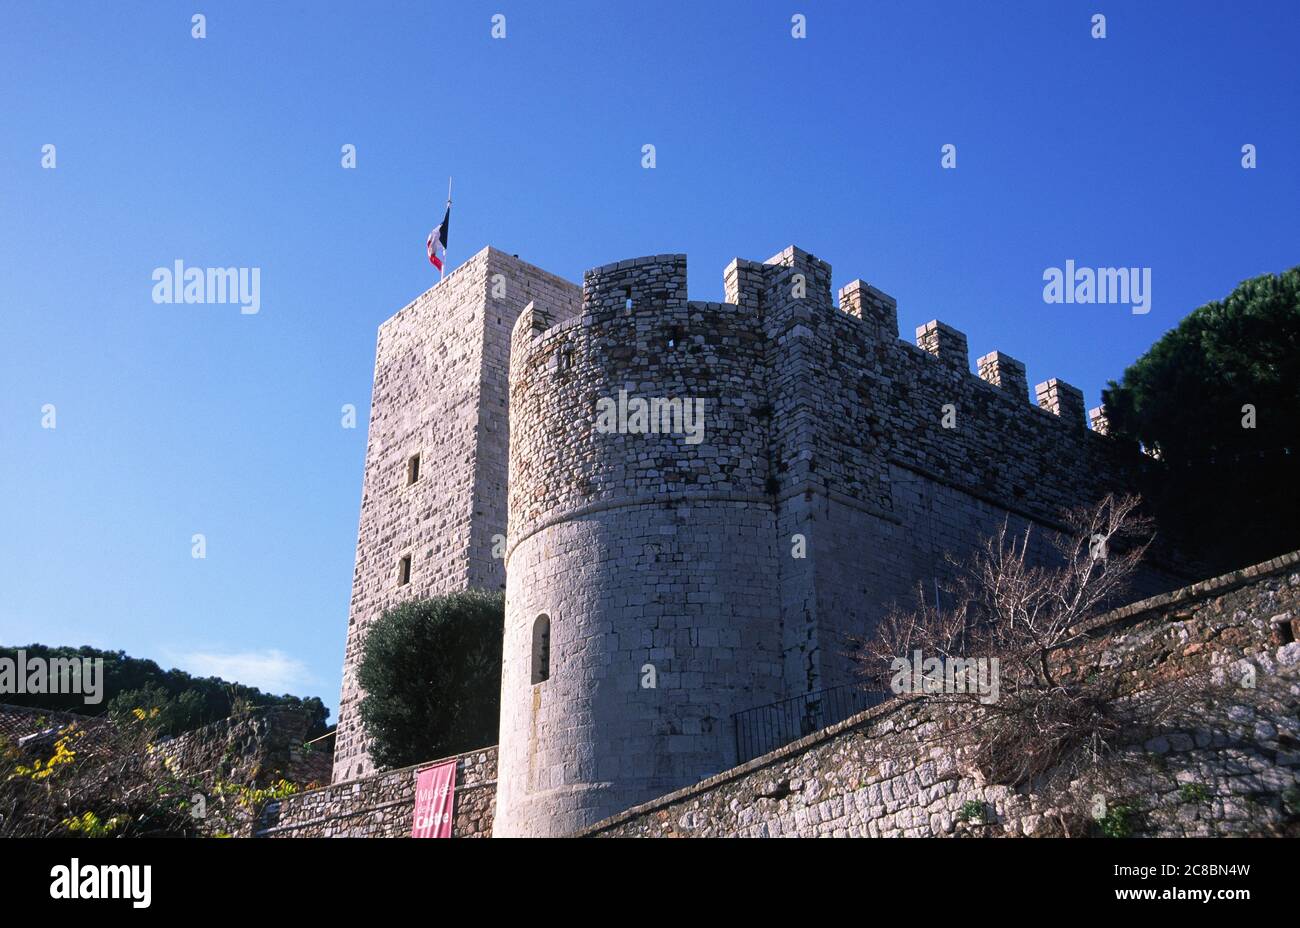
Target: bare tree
column 1038, row 719
column 1009, row 607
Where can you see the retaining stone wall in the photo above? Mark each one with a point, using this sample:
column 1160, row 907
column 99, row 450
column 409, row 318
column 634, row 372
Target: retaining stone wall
column 255, row 749
column 381, row 805
column 1234, row 771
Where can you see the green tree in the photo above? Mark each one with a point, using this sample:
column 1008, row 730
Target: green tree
column 431, row 671
column 174, row 714
column 1227, row 488
column 184, row 702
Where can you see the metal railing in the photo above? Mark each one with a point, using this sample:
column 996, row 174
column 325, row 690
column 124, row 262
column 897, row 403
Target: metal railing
column 766, row 728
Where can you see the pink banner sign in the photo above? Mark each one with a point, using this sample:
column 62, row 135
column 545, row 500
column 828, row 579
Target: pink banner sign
column 435, row 794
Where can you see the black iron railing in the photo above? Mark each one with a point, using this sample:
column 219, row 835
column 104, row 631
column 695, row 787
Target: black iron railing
column 766, row 728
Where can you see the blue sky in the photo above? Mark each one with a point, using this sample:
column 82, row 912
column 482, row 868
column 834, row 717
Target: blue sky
column 225, row 151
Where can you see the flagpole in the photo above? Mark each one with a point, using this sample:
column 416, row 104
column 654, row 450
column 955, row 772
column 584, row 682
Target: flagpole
column 444, row 257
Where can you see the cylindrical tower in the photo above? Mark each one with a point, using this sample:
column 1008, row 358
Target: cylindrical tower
column 642, row 604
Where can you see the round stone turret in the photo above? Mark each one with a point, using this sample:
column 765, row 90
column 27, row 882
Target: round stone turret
column 641, row 567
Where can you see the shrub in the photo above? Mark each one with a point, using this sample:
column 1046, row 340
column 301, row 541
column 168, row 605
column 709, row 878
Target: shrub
column 1120, row 821
column 105, row 779
column 431, row 672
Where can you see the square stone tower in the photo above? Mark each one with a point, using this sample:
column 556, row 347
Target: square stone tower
column 434, row 493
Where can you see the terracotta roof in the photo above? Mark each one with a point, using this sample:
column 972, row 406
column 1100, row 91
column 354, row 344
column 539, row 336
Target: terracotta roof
column 18, row 722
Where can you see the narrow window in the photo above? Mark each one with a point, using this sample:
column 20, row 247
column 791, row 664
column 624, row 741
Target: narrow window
column 412, row 469
column 541, row 649
column 404, row 571
column 627, row 303
column 1283, row 632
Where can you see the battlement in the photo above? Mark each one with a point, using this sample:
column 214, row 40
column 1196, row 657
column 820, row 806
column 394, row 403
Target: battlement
column 1002, row 370
column 658, row 281
column 1064, row 400
column 533, row 321
column 945, row 343
column 656, row 286
column 840, row 397
column 875, row 308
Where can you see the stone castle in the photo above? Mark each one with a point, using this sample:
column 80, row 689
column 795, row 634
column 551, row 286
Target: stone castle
column 836, row 467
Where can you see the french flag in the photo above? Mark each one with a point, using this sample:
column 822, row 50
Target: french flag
column 437, row 243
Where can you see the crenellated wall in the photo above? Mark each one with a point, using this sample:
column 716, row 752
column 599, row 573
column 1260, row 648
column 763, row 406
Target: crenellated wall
column 837, row 467
column 889, row 456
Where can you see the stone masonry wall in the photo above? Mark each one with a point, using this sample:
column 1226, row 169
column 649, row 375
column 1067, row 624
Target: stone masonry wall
column 1229, row 765
column 888, row 456
column 381, row 805
column 439, row 392
column 823, row 432
column 256, row 749
column 622, row 542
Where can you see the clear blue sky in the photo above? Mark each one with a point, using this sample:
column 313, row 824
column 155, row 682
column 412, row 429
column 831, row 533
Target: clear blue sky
column 225, row 151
